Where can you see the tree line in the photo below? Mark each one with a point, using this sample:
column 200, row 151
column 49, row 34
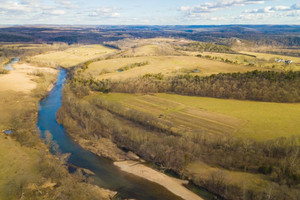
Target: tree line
column 269, row 86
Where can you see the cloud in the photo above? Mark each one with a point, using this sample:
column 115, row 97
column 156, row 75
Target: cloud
column 66, row 4
column 14, row 6
column 104, row 12
column 295, row 13
column 252, row 17
column 214, row 6
column 293, row 7
column 296, row 6
column 262, row 10
column 56, row 12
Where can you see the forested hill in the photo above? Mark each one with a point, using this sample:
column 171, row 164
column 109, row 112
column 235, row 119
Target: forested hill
column 277, row 35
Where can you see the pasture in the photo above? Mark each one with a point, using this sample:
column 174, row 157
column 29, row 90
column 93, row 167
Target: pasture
column 246, row 119
column 71, row 56
column 22, row 78
column 202, row 171
column 167, row 65
column 18, row 164
column 151, row 50
column 269, row 61
column 19, row 92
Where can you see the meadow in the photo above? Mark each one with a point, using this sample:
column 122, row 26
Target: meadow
column 18, row 164
column 71, row 56
column 259, row 60
column 167, row 65
column 246, row 119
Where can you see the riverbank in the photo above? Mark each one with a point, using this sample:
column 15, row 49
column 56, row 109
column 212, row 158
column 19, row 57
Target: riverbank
column 105, row 148
column 172, row 184
column 102, row 147
column 24, row 78
column 103, row 172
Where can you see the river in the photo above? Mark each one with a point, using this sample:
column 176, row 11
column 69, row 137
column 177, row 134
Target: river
column 106, row 174
column 8, row 66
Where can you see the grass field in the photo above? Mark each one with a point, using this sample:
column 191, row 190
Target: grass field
column 12, row 103
column 18, row 94
column 258, row 120
column 269, row 60
column 260, row 60
column 71, row 56
column 272, row 57
column 21, row 79
column 199, row 170
column 167, row 65
column 151, row 50
column 17, row 163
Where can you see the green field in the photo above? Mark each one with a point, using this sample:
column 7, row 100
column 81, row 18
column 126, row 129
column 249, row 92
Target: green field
column 72, row 56
column 258, row 120
column 201, row 171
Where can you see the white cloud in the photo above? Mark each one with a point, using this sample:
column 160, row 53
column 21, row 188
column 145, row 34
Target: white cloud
column 210, row 7
column 104, row 12
column 293, row 7
column 56, row 12
column 268, row 9
column 14, row 6
column 295, row 13
column 252, row 17
column 281, row 8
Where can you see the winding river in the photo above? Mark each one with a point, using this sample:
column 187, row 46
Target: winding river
column 8, row 66
column 106, row 174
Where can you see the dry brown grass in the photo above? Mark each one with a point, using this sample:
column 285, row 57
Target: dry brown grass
column 20, row 80
column 201, row 171
column 16, row 162
column 71, row 56
column 167, row 65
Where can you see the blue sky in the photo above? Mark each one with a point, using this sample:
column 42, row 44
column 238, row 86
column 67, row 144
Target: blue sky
column 149, row 12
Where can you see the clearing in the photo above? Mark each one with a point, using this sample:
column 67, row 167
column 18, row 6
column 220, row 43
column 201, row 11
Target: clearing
column 21, row 78
column 72, row 56
column 17, row 163
column 167, row 65
column 258, row 120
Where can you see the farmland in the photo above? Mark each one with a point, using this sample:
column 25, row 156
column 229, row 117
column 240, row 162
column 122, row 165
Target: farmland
column 157, row 94
column 71, row 56
column 167, row 65
column 247, row 119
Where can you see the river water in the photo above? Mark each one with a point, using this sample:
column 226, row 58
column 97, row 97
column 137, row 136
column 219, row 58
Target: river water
column 8, row 66
column 106, row 174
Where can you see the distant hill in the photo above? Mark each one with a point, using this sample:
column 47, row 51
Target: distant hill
column 277, row 35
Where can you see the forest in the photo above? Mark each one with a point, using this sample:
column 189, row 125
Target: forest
column 269, row 86
column 277, row 35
